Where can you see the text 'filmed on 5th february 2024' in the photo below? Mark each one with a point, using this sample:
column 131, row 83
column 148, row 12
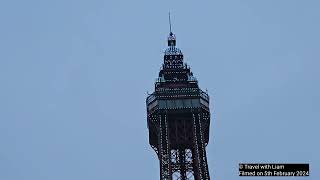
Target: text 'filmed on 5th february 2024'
column 273, row 169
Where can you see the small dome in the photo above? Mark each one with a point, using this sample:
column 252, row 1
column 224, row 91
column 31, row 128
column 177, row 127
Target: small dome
column 171, row 37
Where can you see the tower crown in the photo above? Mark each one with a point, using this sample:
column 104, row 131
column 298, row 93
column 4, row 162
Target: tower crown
column 173, row 57
column 172, row 49
column 171, row 39
column 172, row 53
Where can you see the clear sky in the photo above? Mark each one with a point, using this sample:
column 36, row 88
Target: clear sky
column 74, row 76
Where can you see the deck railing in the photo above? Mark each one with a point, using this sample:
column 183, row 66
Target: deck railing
column 152, row 97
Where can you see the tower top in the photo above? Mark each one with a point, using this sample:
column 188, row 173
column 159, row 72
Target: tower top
column 171, row 37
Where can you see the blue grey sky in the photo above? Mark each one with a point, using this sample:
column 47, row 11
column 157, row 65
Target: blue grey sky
column 74, row 76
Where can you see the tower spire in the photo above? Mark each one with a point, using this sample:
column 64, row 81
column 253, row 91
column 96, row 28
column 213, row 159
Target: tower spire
column 171, row 37
column 170, row 23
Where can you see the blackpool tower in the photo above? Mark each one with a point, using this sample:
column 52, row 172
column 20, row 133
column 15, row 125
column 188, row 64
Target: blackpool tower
column 178, row 119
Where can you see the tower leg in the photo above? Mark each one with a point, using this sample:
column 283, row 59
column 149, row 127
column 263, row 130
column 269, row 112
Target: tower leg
column 182, row 163
column 200, row 159
column 164, row 150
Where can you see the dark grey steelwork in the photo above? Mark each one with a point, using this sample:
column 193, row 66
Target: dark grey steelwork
column 179, row 119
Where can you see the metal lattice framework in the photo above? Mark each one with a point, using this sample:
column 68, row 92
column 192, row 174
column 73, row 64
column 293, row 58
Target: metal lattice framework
column 179, row 119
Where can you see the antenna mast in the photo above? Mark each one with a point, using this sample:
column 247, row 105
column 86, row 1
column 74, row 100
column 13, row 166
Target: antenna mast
column 170, row 23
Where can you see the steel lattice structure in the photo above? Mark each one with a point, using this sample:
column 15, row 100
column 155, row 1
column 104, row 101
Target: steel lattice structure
column 178, row 119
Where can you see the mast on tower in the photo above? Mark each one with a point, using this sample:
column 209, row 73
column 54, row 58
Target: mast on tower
column 171, row 37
